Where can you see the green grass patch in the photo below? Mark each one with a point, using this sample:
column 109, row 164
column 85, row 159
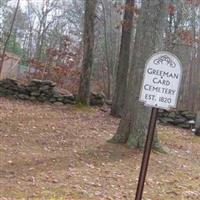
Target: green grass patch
column 83, row 108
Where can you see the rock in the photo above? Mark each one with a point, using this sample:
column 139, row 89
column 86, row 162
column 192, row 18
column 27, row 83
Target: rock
column 163, row 113
column 35, row 82
column 52, row 100
column 23, row 96
column 179, row 121
column 31, row 88
column 35, row 93
column 23, row 90
column 9, row 81
column 68, row 101
column 44, row 88
column 166, row 120
column 58, row 103
column 32, row 98
column 189, row 115
column 172, row 115
column 69, row 97
column 42, row 98
column 187, row 126
column 2, row 94
column 108, row 102
column 75, row 97
column 42, row 82
column 97, row 99
column 55, row 92
column 49, row 83
column 10, row 92
column 177, row 118
column 2, row 91
column 60, row 98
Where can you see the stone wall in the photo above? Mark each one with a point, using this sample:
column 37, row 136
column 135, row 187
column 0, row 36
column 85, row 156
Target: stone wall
column 182, row 119
column 46, row 91
column 43, row 91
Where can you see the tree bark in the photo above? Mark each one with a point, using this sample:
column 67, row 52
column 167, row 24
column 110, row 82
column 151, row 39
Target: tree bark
column 149, row 39
column 107, row 51
column 88, row 44
column 197, row 125
column 9, row 34
column 123, row 65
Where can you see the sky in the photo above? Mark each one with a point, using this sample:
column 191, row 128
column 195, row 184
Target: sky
column 23, row 3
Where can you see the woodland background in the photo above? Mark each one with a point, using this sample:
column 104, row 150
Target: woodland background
column 47, row 36
column 63, row 151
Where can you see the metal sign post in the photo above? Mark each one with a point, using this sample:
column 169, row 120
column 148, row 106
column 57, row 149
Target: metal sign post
column 160, row 89
column 146, row 155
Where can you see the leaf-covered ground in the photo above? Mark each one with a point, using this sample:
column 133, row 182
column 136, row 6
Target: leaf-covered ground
column 56, row 153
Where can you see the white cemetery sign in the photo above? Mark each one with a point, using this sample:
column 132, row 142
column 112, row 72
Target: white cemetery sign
column 161, row 82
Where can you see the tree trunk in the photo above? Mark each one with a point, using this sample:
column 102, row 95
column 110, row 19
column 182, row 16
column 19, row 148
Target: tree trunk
column 149, row 38
column 197, row 126
column 107, row 51
column 88, row 44
column 123, row 65
column 9, row 34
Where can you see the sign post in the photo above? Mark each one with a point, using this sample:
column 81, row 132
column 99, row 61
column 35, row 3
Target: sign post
column 160, row 89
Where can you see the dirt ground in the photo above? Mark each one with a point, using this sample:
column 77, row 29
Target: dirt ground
column 60, row 152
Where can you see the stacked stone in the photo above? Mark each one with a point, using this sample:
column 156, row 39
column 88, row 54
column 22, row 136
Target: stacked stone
column 181, row 119
column 46, row 91
column 97, row 99
column 38, row 90
column 43, row 91
column 9, row 87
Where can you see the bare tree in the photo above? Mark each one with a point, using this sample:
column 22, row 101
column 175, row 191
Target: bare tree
column 111, row 19
column 149, row 37
column 88, row 44
column 123, row 65
column 9, row 34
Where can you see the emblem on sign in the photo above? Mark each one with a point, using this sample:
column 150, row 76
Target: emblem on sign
column 161, row 82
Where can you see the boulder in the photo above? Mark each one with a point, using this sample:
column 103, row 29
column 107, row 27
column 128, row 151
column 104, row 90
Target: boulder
column 97, row 99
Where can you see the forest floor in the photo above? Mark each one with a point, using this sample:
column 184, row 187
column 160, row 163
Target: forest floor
column 61, row 152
